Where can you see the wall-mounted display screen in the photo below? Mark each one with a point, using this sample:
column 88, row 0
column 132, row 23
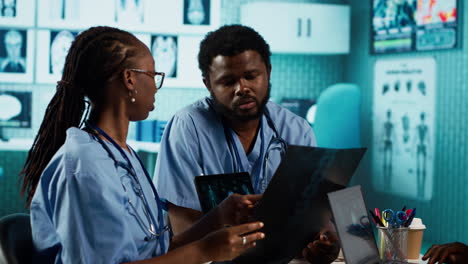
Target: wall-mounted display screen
column 16, row 109
column 414, row 25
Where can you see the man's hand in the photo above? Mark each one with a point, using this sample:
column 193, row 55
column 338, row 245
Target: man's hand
column 237, row 209
column 323, row 250
column 453, row 253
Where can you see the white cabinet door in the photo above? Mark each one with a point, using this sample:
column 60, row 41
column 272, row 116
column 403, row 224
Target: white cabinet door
column 300, row 28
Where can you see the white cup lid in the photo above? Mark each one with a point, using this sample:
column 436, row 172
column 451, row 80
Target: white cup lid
column 417, row 224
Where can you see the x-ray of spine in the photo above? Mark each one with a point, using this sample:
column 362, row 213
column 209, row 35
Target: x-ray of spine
column 60, row 44
column 8, row 8
column 129, row 11
column 164, row 49
column 64, row 9
column 13, row 51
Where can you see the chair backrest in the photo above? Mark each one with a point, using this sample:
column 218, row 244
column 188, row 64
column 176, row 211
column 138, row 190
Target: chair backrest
column 16, row 245
column 337, row 117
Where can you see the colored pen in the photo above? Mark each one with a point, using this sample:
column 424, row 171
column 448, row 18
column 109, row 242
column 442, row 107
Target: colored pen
column 410, row 218
column 408, row 212
column 377, row 213
column 376, row 219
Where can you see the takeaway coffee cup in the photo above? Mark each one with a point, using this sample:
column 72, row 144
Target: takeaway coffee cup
column 415, row 237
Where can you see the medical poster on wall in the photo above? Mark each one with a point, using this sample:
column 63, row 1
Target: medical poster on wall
column 403, row 127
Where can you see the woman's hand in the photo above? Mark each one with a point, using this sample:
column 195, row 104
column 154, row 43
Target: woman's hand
column 447, row 253
column 236, row 209
column 228, row 243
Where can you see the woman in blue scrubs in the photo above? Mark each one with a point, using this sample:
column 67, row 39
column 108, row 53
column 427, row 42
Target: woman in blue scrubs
column 91, row 199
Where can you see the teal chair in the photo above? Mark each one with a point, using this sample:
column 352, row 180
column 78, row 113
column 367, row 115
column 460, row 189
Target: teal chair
column 337, row 117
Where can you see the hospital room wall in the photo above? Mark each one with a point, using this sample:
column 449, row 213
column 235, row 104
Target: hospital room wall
column 446, row 213
column 293, row 76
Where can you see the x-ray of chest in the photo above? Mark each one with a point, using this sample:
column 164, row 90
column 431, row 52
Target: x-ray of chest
column 13, row 51
column 164, row 50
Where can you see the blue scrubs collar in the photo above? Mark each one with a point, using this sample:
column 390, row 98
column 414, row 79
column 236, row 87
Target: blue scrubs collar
column 260, row 165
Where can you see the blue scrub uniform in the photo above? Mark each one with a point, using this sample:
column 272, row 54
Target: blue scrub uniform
column 81, row 213
column 195, row 142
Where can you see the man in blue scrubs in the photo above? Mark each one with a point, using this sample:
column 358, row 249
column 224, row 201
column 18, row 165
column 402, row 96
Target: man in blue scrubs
column 236, row 129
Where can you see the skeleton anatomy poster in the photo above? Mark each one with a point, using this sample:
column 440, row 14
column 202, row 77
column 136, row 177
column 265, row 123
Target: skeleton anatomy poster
column 403, row 126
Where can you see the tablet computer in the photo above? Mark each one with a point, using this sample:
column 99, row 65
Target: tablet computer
column 213, row 189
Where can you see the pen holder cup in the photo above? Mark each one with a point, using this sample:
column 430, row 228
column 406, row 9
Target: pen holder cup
column 392, row 243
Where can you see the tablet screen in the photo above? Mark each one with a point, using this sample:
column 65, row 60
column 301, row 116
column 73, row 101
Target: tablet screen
column 213, row 189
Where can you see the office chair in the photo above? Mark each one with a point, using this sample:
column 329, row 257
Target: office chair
column 16, row 245
column 337, row 117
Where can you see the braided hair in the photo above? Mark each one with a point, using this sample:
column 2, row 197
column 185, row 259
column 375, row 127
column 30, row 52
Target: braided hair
column 96, row 56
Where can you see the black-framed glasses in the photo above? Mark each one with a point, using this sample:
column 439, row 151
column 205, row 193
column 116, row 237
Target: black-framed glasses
column 158, row 76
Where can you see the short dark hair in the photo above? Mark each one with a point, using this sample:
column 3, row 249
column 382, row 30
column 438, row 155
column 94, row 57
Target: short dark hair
column 231, row 40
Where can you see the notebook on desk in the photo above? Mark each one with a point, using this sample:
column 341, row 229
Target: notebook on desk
column 354, row 227
column 294, row 206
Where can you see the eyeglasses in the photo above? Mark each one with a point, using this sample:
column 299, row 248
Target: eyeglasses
column 158, row 76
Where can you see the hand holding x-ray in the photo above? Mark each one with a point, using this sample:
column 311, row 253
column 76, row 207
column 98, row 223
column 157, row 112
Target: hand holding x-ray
column 237, row 209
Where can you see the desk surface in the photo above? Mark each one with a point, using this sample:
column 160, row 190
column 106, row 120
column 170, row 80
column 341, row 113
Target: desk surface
column 296, row 261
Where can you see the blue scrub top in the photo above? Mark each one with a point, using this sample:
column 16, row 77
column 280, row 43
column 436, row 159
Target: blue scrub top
column 195, row 143
column 80, row 212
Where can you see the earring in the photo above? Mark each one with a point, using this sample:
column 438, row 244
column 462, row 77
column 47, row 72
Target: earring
column 132, row 99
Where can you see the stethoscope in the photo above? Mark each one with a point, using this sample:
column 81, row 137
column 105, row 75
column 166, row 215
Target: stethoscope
column 276, row 143
column 155, row 230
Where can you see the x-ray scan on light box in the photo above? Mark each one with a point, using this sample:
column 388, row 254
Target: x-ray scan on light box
column 164, row 49
column 189, row 73
column 16, row 109
column 17, row 13
column 73, row 14
column 16, row 55
column 52, row 47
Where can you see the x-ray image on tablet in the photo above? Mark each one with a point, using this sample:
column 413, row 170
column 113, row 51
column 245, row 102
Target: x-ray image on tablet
column 60, row 42
column 196, row 12
column 164, row 50
column 213, row 189
column 13, row 51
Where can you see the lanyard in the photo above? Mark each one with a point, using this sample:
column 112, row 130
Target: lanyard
column 160, row 227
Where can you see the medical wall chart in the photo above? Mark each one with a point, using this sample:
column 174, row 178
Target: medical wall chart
column 403, row 126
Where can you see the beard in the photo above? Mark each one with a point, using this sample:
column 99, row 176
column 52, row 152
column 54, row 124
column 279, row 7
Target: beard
column 235, row 113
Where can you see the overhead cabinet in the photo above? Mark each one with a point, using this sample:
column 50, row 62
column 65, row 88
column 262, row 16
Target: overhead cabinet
column 300, row 28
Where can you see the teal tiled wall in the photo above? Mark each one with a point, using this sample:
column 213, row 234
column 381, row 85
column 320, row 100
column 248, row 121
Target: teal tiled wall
column 293, row 76
column 11, row 163
column 446, row 214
